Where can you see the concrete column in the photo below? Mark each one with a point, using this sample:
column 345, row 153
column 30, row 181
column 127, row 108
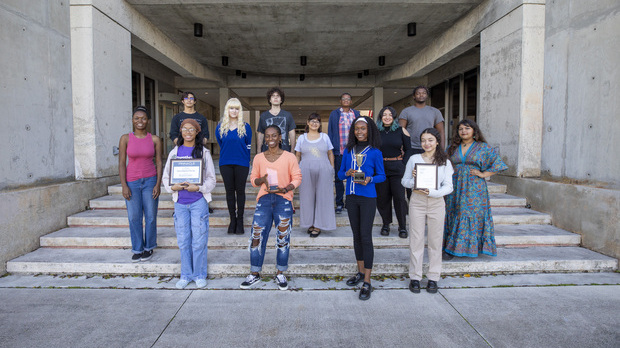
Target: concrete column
column 377, row 101
column 511, row 87
column 224, row 96
column 101, row 80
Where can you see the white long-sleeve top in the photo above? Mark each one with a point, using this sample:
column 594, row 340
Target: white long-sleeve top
column 444, row 176
column 208, row 175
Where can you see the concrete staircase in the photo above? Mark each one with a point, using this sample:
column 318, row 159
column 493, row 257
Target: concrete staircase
column 97, row 242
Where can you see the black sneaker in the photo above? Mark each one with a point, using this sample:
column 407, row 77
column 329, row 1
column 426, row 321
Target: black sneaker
column 431, row 287
column 250, row 280
column 365, row 291
column 339, row 209
column 146, row 255
column 136, row 257
column 355, row 279
column 281, row 280
column 414, row 286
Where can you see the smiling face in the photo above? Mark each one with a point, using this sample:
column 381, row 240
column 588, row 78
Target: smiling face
column 345, row 101
column 189, row 101
column 140, row 120
column 466, row 132
column 429, row 142
column 387, row 118
column 361, row 131
column 272, row 138
column 188, row 132
column 314, row 125
column 233, row 113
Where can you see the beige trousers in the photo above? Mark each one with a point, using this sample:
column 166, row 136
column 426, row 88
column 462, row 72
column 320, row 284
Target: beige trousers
column 421, row 208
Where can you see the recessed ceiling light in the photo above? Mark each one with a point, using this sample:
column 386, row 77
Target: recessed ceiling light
column 206, row 92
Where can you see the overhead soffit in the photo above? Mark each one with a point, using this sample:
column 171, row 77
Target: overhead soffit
column 268, row 37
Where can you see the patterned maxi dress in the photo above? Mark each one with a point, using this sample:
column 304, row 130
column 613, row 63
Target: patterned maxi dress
column 469, row 224
column 316, row 192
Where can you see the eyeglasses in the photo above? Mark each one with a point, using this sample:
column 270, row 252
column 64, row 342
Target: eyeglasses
column 345, row 98
column 189, row 98
column 314, row 122
column 188, row 130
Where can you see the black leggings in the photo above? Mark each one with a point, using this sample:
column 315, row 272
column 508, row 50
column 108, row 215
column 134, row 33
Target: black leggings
column 392, row 190
column 362, row 212
column 235, row 178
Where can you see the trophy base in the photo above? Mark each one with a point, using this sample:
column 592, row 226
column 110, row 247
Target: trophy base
column 359, row 177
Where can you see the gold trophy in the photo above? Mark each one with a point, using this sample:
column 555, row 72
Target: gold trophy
column 359, row 176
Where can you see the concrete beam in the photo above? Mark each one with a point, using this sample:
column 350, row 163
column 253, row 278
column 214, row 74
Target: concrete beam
column 146, row 37
column 260, row 81
column 463, row 35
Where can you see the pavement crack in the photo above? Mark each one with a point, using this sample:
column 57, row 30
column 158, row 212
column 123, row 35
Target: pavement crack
column 467, row 321
column 171, row 319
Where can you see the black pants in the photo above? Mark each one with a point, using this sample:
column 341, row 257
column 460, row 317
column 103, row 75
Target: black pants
column 361, row 211
column 411, row 153
column 235, row 178
column 337, row 182
column 391, row 190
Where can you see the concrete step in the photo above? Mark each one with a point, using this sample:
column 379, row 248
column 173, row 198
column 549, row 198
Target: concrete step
column 116, row 201
column 307, row 262
column 118, row 237
column 249, row 189
column 118, row 217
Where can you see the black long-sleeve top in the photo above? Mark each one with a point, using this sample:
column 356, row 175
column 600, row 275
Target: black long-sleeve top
column 393, row 144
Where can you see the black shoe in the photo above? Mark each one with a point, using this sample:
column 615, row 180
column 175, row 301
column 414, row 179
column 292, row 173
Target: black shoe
column 240, row 229
column 210, row 210
column 353, row 281
column 414, row 286
column 250, row 280
column 339, row 209
column 402, row 233
column 431, row 287
column 365, row 291
column 136, row 257
column 232, row 226
column 146, row 255
column 446, row 257
column 385, row 230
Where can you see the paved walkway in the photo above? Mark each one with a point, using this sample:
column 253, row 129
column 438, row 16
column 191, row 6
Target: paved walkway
column 544, row 310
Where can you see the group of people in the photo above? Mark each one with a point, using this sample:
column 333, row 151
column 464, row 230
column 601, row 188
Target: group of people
column 371, row 163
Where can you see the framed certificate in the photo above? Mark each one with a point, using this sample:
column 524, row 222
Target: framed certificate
column 426, row 176
column 186, row 170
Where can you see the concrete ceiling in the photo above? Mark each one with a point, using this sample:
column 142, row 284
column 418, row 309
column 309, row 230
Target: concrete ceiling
column 339, row 38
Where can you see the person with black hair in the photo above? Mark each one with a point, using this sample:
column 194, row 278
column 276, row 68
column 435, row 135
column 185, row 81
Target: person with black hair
column 276, row 116
column 362, row 153
column 395, row 148
column 427, row 205
column 141, row 182
column 188, row 99
column 469, row 224
column 191, row 205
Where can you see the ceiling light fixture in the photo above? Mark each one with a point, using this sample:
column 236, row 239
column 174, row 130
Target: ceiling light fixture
column 359, row 75
column 381, row 60
column 303, row 60
column 197, row 30
column 411, row 29
column 225, row 60
column 302, row 77
column 238, row 72
column 366, row 72
column 244, row 75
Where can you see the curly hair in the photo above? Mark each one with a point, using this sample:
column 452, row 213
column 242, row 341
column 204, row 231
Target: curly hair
column 440, row 156
column 232, row 103
column 275, row 90
column 374, row 138
column 456, row 140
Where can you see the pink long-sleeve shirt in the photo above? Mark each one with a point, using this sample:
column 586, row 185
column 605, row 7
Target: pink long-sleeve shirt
column 285, row 170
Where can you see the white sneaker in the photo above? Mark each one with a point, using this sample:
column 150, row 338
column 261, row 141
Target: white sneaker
column 201, row 283
column 181, row 284
column 281, row 280
column 250, row 280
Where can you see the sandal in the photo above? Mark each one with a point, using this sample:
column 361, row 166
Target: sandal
column 315, row 233
column 309, row 231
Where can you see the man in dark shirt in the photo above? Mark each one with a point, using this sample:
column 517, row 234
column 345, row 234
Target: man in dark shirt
column 276, row 116
column 189, row 102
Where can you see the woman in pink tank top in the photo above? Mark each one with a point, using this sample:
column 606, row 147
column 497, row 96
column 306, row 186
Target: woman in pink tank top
column 141, row 181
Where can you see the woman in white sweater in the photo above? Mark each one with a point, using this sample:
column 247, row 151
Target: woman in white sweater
column 427, row 204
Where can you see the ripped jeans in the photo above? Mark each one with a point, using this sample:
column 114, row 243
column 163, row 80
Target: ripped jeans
column 271, row 208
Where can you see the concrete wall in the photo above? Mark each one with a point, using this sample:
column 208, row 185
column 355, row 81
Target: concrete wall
column 592, row 212
column 582, row 80
column 35, row 93
column 27, row 214
column 101, row 73
column 511, row 84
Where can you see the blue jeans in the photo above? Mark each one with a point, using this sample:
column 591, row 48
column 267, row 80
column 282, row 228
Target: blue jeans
column 141, row 203
column 271, row 208
column 337, row 182
column 191, row 222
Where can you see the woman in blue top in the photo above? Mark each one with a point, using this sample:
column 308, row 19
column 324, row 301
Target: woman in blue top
column 235, row 138
column 364, row 139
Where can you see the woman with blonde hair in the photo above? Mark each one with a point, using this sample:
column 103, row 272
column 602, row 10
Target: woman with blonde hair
column 235, row 138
